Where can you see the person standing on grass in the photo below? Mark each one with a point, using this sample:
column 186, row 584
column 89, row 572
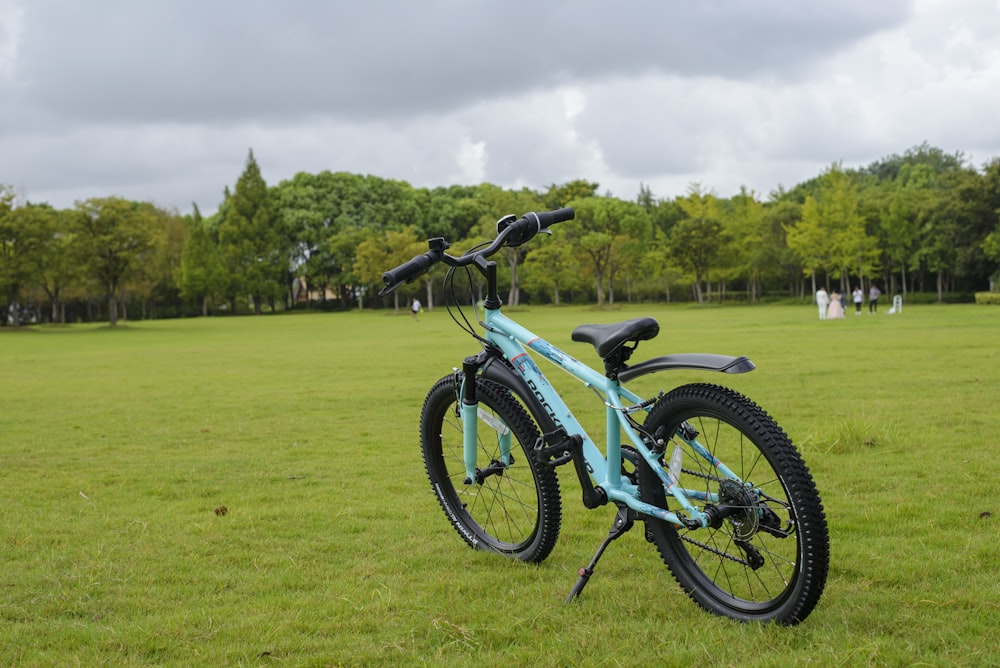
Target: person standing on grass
column 822, row 301
column 836, row 311
column 873, row 293
column 859, row 297
column 415, row 308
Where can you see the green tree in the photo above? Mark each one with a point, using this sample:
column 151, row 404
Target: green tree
column 24, row 234
column 551, row 266
column 57, row 267
column 831, row 234
column 111, row 236
column 809, row 240
column 251, row 240
column 559, row 196
column 343, row 252
column 626, row 259
column 934, row 159
column 658, row 264
column 497, row 202
column 451, row 212
column 317, row 210
column 991, row 246
column 852, row 250
column 901, row 206
column 991, row 242
column 201, row 275
column 782, row 213
column 748, row 232
column 601, row 226
column 379, row 253
column 697, row 239
column 153, row 282
column 958, row 220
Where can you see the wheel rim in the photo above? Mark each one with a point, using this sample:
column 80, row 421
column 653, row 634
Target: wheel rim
column 721, row 560
column 503, row 511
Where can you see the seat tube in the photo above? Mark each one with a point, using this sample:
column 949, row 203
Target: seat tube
column 614, row 447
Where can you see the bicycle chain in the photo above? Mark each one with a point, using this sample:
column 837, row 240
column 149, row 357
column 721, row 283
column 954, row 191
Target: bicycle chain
column 698, row 474
column 713, row 550
column 701, row 545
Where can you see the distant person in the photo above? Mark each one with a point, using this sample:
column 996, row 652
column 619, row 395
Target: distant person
column 859, row 297
column 836, row 309
column 873, row 293
column 415, row 308
column 822, row 302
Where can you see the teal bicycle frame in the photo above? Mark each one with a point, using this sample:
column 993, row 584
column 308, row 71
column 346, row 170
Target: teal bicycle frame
column 511, row 338
column 658, row 470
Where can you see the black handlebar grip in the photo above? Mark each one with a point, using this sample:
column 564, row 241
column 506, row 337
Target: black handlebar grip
column 410, row 269
column 547, row 218
column 530, row 224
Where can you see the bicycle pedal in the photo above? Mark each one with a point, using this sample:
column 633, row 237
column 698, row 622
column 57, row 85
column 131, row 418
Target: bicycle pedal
column 555, row 448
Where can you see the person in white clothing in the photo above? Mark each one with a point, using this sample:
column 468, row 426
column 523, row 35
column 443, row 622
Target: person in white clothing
column 822, row 301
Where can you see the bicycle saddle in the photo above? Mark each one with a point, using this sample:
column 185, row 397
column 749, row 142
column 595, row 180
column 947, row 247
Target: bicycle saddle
column 607, row 338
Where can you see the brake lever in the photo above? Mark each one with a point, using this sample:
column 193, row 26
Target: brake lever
column 389, row 289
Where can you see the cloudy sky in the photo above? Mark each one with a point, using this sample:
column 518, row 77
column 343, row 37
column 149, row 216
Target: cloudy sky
column 161, row 100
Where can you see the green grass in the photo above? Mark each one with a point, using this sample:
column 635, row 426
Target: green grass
column 117, row 446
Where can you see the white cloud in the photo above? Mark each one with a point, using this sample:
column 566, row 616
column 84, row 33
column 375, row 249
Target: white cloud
column 163, row 100
column 471, row 161
column 11, row 34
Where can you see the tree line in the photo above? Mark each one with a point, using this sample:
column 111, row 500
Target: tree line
column 924, row 221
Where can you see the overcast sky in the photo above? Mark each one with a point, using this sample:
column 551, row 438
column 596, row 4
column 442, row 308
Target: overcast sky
column 161, row 100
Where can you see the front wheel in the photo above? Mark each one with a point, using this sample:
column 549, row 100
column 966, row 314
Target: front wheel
column 514, row 506
column 767, row 560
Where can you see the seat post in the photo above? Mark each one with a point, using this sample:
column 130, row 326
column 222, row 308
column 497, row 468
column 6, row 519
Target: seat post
column 614, row 363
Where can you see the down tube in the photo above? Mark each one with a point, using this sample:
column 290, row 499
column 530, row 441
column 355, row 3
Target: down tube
column 553, row 403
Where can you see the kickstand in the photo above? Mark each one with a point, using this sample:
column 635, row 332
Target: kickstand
column 623, row 522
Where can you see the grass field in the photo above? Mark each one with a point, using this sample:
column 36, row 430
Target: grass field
column 119, row 449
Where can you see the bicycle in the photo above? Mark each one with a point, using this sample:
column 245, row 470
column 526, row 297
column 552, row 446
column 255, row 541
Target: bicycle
column 724, row 495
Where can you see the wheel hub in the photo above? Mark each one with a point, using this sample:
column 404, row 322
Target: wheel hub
column 741, row 507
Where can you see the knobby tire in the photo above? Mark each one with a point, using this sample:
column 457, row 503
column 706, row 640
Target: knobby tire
column 709, row 564
column 516, row 513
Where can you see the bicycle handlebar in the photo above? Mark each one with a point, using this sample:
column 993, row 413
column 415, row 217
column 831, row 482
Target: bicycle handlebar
column 531, row 224
column 509, row 232
column 410, row 270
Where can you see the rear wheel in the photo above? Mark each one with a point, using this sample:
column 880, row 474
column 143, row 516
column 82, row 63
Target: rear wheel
column 768, row 558
column 514, row 506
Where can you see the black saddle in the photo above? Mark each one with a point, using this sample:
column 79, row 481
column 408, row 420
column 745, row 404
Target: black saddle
column 606, row 339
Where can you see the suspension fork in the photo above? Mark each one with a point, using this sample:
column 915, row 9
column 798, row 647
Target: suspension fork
column 470, row 402
column 471, row 414
column 470, row 408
